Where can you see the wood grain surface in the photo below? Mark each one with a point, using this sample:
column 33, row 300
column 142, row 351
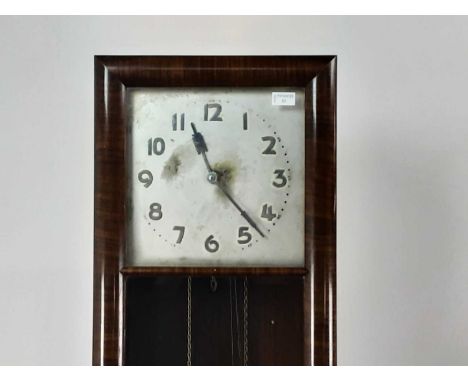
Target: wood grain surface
column 113, row 75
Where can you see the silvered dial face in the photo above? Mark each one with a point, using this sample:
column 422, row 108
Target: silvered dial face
column 216, row 177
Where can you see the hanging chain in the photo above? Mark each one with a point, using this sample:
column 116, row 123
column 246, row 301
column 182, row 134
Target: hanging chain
column 246, row 329
column 246, row 312
column 189, row 321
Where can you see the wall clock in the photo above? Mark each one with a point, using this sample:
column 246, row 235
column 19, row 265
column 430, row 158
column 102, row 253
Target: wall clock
column 215, row 232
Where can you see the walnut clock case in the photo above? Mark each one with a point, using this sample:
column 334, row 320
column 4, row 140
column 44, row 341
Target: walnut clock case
column 215, row 210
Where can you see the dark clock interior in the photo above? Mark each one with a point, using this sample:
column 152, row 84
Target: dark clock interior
column 233, row 320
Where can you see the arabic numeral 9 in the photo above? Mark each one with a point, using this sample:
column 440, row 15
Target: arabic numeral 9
column 145, row 177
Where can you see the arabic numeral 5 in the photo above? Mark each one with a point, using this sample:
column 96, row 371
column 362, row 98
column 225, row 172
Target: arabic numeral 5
column 244, row 236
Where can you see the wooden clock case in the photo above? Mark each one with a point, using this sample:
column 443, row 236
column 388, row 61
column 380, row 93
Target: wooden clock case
column 138, row 309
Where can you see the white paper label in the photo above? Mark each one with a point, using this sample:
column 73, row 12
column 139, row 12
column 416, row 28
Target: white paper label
column 283, row 98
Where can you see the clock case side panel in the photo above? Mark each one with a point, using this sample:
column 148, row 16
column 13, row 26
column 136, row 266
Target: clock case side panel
column 113, row 74
column 320, row 224
column 109, row 214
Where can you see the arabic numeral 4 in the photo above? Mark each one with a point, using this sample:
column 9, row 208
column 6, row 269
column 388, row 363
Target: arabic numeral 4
column 267, row 212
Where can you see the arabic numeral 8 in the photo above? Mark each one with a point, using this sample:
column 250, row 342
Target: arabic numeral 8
column 155, row 211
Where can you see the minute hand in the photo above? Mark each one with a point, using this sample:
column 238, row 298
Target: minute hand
column 242, row 212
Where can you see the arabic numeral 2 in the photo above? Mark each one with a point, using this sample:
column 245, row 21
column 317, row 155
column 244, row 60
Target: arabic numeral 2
column 269, row 150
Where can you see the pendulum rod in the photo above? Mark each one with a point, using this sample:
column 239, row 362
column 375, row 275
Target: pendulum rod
column 246, row 322
column 189, row 321
column 230, row 309
column 239, row 358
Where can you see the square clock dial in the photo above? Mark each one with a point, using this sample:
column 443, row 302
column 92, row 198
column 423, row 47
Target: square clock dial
column 216, row 177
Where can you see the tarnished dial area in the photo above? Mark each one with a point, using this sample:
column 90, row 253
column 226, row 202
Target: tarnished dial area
column 216, row 178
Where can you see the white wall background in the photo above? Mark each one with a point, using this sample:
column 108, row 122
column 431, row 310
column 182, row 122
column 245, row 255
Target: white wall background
column 402, row 174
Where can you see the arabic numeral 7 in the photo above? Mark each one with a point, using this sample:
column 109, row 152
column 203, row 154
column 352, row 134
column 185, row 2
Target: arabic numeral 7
column 181, row 230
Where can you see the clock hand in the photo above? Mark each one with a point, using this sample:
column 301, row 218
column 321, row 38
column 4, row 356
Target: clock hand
column 200, row 146
column 242, row 212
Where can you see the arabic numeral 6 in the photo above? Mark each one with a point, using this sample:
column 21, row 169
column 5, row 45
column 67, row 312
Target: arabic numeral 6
column 211, row 245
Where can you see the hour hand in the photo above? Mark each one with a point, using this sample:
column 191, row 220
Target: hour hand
column 198, row 140
column 200, row 145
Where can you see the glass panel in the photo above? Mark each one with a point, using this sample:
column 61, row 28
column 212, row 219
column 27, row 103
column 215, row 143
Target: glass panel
column 225, row 191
